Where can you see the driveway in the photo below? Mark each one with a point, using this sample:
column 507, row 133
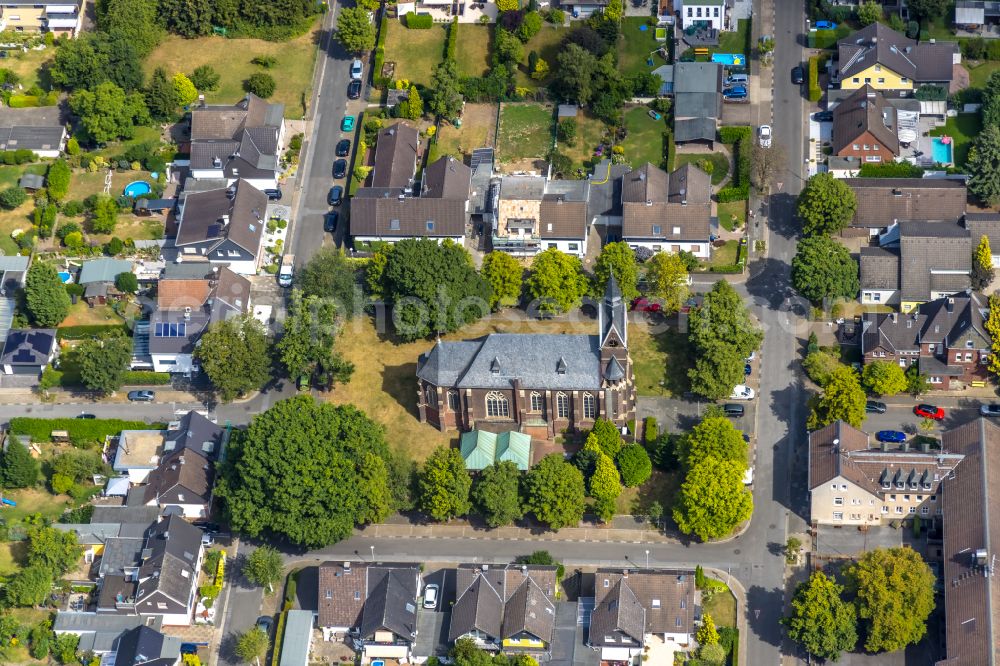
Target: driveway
column 849, row 541
column 676, row 415
column 432, row 625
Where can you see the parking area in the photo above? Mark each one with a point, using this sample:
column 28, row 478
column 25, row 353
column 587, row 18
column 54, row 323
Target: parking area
column 678, row 414
column 849, row 541
column 736, row 113
column 432, row 624
column 900, row 416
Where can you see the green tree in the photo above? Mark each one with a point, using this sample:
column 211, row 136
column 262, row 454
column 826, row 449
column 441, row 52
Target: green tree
column 916, row 381
column 821, row 621
column 869, row 12
column 329, row 274
column 251, row 646
column 927, row 9
column 530, row 26
column 107, row 113
column 496, row 494
column 842, row 399
column 205, row 78
column 991, row 101
column 819, row 365
column 76, row 465
column 161, row 96
column 445, row 97
column 505, row 275
column 103, row 363
column 53, row 549
column 823, row 268
column 65, row 647
column 884, row 378
column 309, row 334
column 715, row 437
column 607, row 438
column 574, row 74
column 104, row 214
column 414, row 109
column 41, row 639
column 46, row 297
column 556, row 281
column 444, row 485
column 296, row 471
column 507, row 48
column 982, row 264
column 57, row 180
column 30, row 586
column 635, row 465
column 13, row 197
column 667, row 279
column 722, row 335
column 126, row 282
column 983, row 163
column 263, row 567
column 433, row 288
column 540, row 70
column 355, row 30
column 992, row 326
column 826, row 205
column 17, row 468
column 894, row 595
column 707, row 633
column 554, row 492
column 185, row 90
column 95, row 58
column 713, row 500
column 261, row 84
column 605, row 487
column 135, row 21
column 234, row 355
column 619, row 260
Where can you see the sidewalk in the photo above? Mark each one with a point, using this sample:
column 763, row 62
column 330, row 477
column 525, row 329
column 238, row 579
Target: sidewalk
column 762, row 79
column 28, row 396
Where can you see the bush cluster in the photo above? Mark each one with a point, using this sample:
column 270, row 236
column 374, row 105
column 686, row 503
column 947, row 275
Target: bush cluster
column 815, row 92
column 731, row 134
column 416, row 21
column 739, row 187
column 145, row 378
column 20, row 156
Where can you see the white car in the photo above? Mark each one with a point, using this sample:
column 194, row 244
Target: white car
column 765, row 135
column 431, row 596
column 742, row 392
column 357, row 69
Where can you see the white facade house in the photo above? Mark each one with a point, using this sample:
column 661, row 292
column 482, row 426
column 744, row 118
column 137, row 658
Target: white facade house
column 668, row 212
column 712, row 12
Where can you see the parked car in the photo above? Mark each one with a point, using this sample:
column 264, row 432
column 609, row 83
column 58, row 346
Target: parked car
column 731, row 409
column 890, row 436
column 340, row 168
column 826, row 25
column 742, row 392
column 765, row 136
column 645, row 305
column 86, row 415
column 752, row 357
column 992, row 409
column 354, row 89
column 431, row 596
column 747, row 369
column 336, row 195
column 929, row 412
column 875, row 407
column 347, row 124
column 141, row 396
column 357, row 69
column 736, row 92
column 330, row 221
column 823, row 116
column 343, row 148
column 265, row 624
column 798, row 75
column 273, row 194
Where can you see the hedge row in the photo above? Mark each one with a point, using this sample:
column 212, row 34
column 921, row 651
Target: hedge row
column 89, row 331
column 733, row 193
column 977, row 48
column 416, row 21
column 19, row 156
column 451, row 49
column 731, row 134
column 815, row 92
column 742, row 175
column 379, row 61
column 81, row 431
column 668, row 148
column 727, row 268
column 146, row 378
column 890, row 170
column 29, row 101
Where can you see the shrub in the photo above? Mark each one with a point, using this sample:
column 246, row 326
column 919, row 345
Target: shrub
column 557, row 16
column 145, row 378
column 261, row 84
column 733, row 193
column 90, row 331
column 650, row 429
column 890, row 170
column 73, row 146
column 416, row 21
column 81, row 431
column 23, row 101
column 732, row 134
column 72, row 209
column 635, row 465
column 61, row 483
column 267, row 62
column 13, row 197
column 815, row 92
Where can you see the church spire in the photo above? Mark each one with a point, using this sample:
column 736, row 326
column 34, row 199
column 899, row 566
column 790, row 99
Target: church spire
column 612, row 317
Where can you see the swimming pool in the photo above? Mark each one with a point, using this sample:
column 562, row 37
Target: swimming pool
column 137, row 188
column 731, row 59
column 941, row 150
column 65, row 277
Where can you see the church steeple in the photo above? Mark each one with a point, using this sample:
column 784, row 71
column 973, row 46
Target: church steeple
column 612, row 317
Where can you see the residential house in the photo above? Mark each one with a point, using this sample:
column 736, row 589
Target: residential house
column 668, row 213
column 98, row 276
column 13, row 272
column 392, row 214
column 144, row 646
column 395, row 157
column 480, row 449
column 582, row 8
column 879, row 276
column 223, row 226
column 855, row 482
column 935, row 261
column 974, row 15
column 885, row 201
column 888, row 61
column 704, row 14
column 100, row 633
column 563, row 218
column 60, row 18
column 864, row 127
column 183, row 481
column 480, row 198
column 532, row 214
column 946, row 339
column 42, row 130
column 370, row 606
column 138, row 453
column 638, row 610
column 537, row 384
column 241, row 141
column 509, row 608
column 697, row 101
column 28, row 351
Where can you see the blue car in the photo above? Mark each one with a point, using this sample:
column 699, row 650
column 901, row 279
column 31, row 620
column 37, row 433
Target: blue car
column 737, row 92
column 826, row 25
column 890, row 436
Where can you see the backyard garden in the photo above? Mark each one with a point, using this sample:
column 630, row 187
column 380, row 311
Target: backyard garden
column 525, row 132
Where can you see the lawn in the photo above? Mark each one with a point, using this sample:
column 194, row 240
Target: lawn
column 415, row 52
column 33, row 500
column 19, row 218
column 473, row 44
column 644, row 142
column 636, row 45
column 980, row 74
column 546, row 43
column 719, row 161
column 939, row 29
column 723, row 256
column 661, row 487
column 732, row 214
column 734, row 42
column 963, row 129
column 478, row 121
column 231, row 59
column 590, row 133
column 8, row 565
column 722, row 608
column 661, row 360
column 525, row 131
column 29, row 66
column 82, row 314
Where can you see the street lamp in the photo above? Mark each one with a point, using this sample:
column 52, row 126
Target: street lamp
column 373, row 552
column 647, row 558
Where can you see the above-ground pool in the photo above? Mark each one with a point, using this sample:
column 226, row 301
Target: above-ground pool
column 732, row 59
column 137, row 188
column 65, row 276
column 941, row 150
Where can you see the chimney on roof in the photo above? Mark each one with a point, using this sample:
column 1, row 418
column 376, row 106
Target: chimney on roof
column 524, row 569
column 225, row 220
column 392, row 131
column 950, row 304
column 892, row 316
column 624, row 573
column 684, row 201
column 649, row 202
column 925, row 447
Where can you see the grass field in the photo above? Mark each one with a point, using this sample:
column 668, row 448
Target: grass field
column 734, row 42
column 963, row 129
column 478, row 121
column 661, row 360
column 82, row 314
column 732, row 214
column 525, row 131
column 722, row 608
column 8, row 564
column 589, row 133
column 720, row 163
column 644, row 142
column 546, row 43
column 980, row 74
column 33, row 500
column 19, row 218
column 474, row 44
column 724, row 255
column 415, row 52
column 635, row 46
column 661, row 487
column 29, row 66
column 231, row 59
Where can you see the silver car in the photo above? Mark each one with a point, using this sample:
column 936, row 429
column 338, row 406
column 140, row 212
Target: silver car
column 765, row 136
column 357, row 69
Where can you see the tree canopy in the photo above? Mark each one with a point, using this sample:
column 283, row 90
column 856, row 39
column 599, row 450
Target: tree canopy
column 667, row 276
column 107, row 113
column 103, row 362
column 57, row 180
column 869, row 12
column 497, row 494
column 842, row 399
column 606, row 437
column 884, row 378
column 982, row 264
column 329, row 274
column 235, row 356
column 716, row 437
column 556, row 281
column 821, row 621
column 46, row 297
column 355, row 30
column 713, row 500
column 722, row 335
column 96, row 58
column 306, row 346
column 443, row 485
column 445, row 97
column 554, row 492
column 826, row 205
column 823, row 268
column 251, row 645
column 894, row 595
column 618, row 259
column 635, row 465
column 505, row 275
column 263, row 567
column 307, row 470
column 18, row 469
column 29, row 587
column 983, row 164
column 605, row 487
column 134, row 21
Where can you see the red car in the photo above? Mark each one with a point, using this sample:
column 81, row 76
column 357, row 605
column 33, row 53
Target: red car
column 929, row 412
column 646, row 305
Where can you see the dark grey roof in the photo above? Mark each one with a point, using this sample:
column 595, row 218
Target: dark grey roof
column 928, row 249
column 447, row 178
column 697, row 105
column 481, row 164
column 614, row 371
column 879, row 44
column 613, row 313
column 126, row 515
column 529, row 610
column 32, row 181
column 142, row 646
column 196, row 432
column 174, row 545
column 391, row 603
column 105, row 269
column 90, row 534
column 478, row 608
column 695, row 129
column 697, row 77
column 120, row 553
column 183, row 476
column 236, row 213
column 563, row 217
column 407, row 217
column 938, row 321
column 241, row 138
column 194, row 326
column 984, row 224
column 28, row 347
column 528, row 188
column 881, row 201
column 646, row 184
column 99, row 632
column 31, row 138
column 444, row 365
column 395, row 156
column 879, row 268
column 619, row 612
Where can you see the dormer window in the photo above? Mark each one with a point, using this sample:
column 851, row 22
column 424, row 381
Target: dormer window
column 394, row 225
column 677, row 231
column 968, row 344
column 430, row 225
column 657, row 230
